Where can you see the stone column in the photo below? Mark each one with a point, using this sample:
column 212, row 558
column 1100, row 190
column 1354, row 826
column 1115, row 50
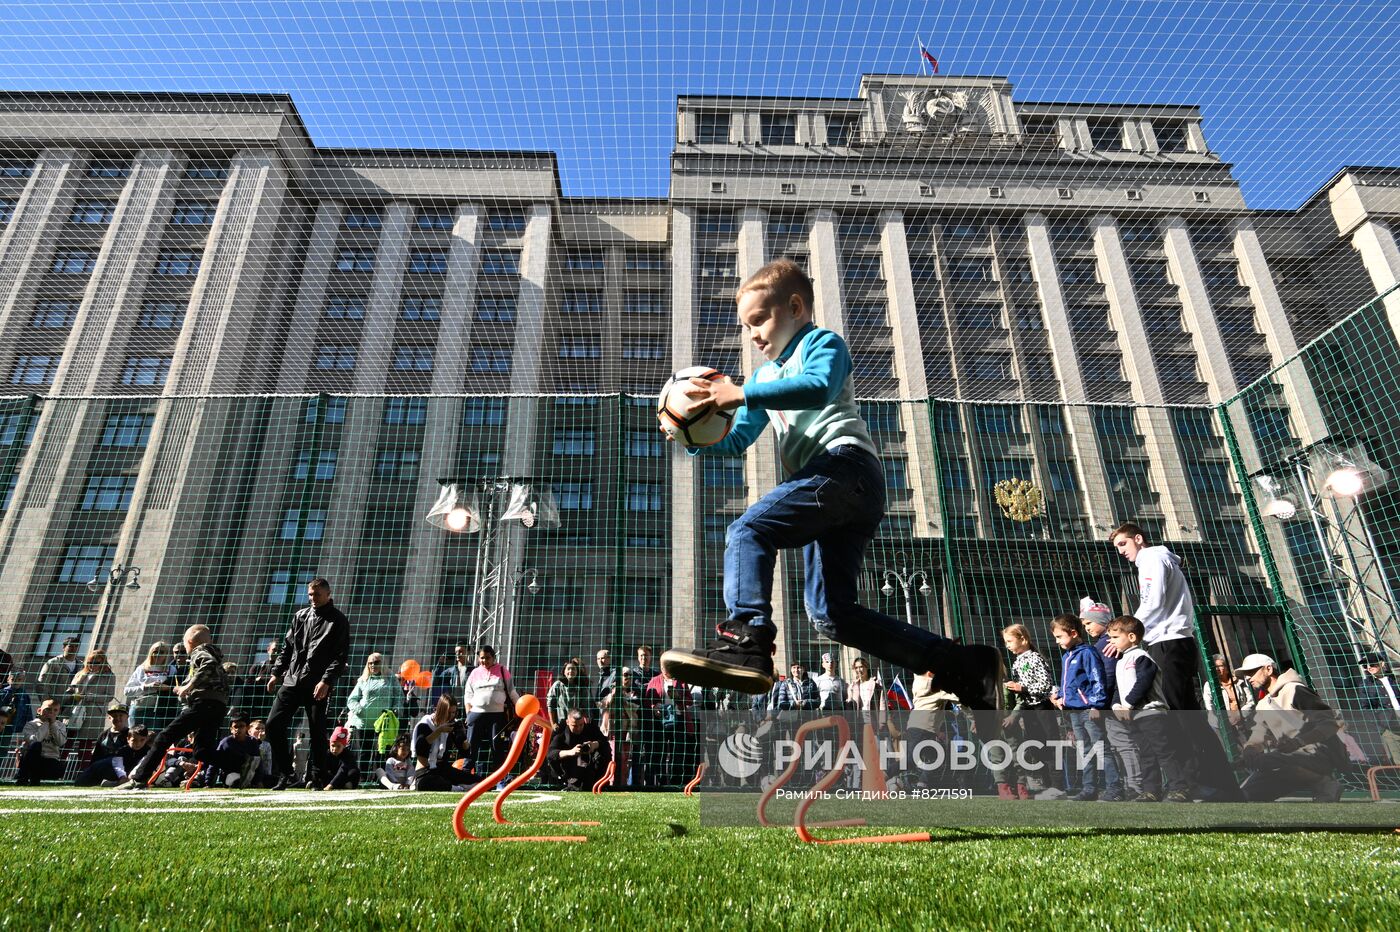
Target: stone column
column 27, row 241
column 1380, row 255
column 1165, row 463
column 171, row 492
column 311, row 297
column 826, row 270
column 1084, row 438
column 419, row 605
column 687, row 527
column 54, row 466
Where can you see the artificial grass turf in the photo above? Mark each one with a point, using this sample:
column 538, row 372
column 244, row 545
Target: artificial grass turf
column 378, row 867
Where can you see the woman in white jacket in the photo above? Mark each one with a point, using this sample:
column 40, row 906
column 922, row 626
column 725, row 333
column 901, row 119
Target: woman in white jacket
column 374, row 693
column 150, row 690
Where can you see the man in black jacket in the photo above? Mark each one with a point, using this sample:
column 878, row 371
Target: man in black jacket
column 314, row 655
column 578, row 753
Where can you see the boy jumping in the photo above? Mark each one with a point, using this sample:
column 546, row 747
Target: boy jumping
column 831, row 505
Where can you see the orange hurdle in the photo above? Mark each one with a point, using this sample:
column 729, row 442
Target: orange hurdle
column 799, row 819
column 699, row 775
column 528, row 708
column 606, row 779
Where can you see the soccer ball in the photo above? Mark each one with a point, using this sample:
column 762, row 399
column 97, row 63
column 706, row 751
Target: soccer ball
column 693, row 423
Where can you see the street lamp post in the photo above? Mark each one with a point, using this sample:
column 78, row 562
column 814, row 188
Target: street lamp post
column 905, row 577
column 118, row 578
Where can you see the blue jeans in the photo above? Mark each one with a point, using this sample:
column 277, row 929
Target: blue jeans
column 1087, row 731
column 831, row 508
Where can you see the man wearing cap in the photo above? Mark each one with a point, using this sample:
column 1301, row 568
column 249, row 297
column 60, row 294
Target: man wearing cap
column 831, row 689
column 1294, row 744
column 1381, row 696
column 57, row 672
column 109, row 744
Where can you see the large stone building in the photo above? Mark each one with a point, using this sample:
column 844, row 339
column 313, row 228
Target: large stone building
column 239, row 359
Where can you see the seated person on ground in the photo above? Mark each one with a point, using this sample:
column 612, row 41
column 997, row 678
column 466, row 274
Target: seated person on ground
column 578, row 753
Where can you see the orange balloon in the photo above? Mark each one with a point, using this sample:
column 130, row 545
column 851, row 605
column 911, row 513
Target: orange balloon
column 526, row 706
column 424, row 679
column 409, row 669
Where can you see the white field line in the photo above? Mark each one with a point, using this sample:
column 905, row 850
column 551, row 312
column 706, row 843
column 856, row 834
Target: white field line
column 199, row 802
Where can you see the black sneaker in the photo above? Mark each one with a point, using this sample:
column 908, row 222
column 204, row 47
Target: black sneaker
column 974, row 673
column 742, row 659
column 1176, row 796
column 1147, row 797
column 281, row 784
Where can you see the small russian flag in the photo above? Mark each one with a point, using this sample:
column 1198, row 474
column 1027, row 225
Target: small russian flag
column 899, row 696
column 928, row 56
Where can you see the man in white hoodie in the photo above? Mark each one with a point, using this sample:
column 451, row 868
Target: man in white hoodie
column 1167, row 614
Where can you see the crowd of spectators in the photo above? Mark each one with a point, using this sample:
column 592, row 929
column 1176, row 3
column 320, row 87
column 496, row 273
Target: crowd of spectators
column 186, row 716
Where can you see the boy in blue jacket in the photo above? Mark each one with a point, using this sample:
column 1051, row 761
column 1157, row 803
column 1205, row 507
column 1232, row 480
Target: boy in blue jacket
column 1082, row 695
column 830, row 505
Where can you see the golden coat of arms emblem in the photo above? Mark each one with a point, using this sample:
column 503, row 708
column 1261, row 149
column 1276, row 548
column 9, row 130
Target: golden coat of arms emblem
column 1019, row 500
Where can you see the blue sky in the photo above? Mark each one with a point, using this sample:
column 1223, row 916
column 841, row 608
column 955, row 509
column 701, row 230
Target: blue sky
column 1291, row 91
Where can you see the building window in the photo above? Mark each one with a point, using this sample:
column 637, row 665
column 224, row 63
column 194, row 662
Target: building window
column 1209, row 478
column 716, row 223
column 646, row 260
column 413, row 359
column 207, row 171
column 484, row 412
column 85, row 562
column 583, row 302
column 161, row 315
column 335, row 356
column 1202, row 197
column 580, row 348
column 1064, row 194
column 345, row 307
column 178, row 263
column 435, row 220
column 109, row 168
column 108, row 493
column 645, row 443
column 1171, row 135
column 397, row 465
column 325, row 465
column 584, row 260
column 645, row 302
column 410, row 411
column 991, row 366
column 97, row 213
column 861, row 269
column 969, row 270
column 354, row 260
column 865, row 314
column 722, row 471
column 1039, row 366
column 574, row 443
column 500, row 262
column 75, row 261
column 574, row 496
column 880, row 417
column 145, row 370
column 7, row 209
column 1051, row 420
column 1042, row 126
column 1079, row 271
column 428, row 261
column 1106, row 134
column 645, row 496
column 282, row 589
column 127, row 430
column 497, row 308
column 312, row 527
column 873, row 366
column 955, row 475
column 644, row 349
column 780, row 129
column 712, row 128
column 841, row 128
column 490, row 359
column 335, row 410
column 54, row 629
column 1115, row 422
column 193, row 213
column 1062, row 477
column 978, row 316
column 54, row 314
column 1101, row 368
column 998, row 419
column 506, row 221
column 362, row 220
column 718, row 265
column 787, row 187
column 16, row 169
column 34, row 370
column 421, row 308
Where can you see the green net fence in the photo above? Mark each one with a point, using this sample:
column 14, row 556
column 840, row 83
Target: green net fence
column 128, row 519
